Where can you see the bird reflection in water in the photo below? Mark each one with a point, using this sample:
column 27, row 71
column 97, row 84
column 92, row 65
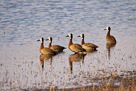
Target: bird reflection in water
column 109, row 46
column 75, row 58
column 45, row 57
column 92, row 51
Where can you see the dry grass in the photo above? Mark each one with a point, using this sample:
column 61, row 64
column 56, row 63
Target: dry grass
column 127, row 84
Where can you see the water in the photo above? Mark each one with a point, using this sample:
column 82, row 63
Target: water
column 22, row 23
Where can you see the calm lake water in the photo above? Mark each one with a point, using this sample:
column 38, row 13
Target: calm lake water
column 22, row 23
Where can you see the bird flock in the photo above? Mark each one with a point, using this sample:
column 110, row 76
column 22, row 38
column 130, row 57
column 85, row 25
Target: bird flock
column 76, row 48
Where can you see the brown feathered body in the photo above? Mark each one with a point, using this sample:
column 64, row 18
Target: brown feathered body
column 110, row 38
column 75, row 47
column 56, row 48
column 45, row 50
column 88, row 46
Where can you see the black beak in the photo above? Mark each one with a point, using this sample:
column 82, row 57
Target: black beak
column 67, row 36
column 78, row 36
column 46, row 39
column 38, row 40
column 105, row 29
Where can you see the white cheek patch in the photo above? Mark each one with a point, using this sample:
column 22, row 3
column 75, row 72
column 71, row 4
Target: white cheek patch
column 69, row 34
column 106, row 28
column 41, row 40
column 81, row 35
column 48, row 38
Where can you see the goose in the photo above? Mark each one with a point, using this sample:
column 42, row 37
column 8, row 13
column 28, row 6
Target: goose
column 45, row 50
column 110, row 38
column 56, row 48
column 74, row 47
column 87, row 46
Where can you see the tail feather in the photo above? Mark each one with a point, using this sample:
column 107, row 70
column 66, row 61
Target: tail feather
column 64, row 48
column 84, row 50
